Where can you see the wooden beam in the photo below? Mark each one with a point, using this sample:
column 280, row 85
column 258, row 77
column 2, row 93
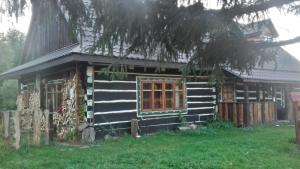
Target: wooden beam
column 77, row 94
column 38, row 87
column 247, row 106
column 297, row 121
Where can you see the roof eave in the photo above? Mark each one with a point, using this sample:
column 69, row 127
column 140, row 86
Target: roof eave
column 93, row 59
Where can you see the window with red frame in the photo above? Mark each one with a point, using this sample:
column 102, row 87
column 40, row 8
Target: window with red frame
column 162, row 95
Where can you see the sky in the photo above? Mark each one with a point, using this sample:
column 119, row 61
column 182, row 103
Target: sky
column 287, row 25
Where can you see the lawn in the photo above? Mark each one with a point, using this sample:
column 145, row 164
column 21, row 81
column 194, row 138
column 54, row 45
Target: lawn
column 213, row 148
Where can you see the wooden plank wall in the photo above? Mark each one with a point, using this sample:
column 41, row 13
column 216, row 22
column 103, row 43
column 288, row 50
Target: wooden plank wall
column 115, row 105
column 48, row 30
column 259, row 113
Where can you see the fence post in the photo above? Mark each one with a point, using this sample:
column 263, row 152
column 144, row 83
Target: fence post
column 1, row 120
column 6, row 127
column 135, row 128
column 37, row 127
column 47, row 127
column 296, row 108
column 234, row 114
column 241, row 115
column 247, row 107
column 17, row 135
column 297, row 122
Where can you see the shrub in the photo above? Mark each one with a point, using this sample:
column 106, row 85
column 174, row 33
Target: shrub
column 219, row 124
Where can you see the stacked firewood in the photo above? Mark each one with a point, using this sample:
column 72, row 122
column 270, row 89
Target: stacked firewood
column 26, row 114
column 65, row 120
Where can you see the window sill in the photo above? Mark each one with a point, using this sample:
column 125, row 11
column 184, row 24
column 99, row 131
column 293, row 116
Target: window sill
column 162, row 113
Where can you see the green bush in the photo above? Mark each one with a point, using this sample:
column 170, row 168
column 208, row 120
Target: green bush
column 219, row 124
column 8, row 95
column 73, row 135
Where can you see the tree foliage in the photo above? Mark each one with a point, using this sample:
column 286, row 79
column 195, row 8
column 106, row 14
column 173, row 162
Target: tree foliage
column 166, row 29
column 11, row 46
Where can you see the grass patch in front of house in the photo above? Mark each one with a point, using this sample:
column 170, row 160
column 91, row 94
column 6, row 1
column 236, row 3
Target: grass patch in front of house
column 212, row 148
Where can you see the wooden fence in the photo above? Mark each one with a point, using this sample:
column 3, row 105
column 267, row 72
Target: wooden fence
column 11, row 128
column 258, row 113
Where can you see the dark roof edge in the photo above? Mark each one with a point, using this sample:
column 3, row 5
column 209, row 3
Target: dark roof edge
column 270, row 81
column 42, row 66
column 73, row 57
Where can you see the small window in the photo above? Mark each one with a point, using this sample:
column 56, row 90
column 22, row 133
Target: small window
column 162, row 95
column 54, row 97
column 227, row 93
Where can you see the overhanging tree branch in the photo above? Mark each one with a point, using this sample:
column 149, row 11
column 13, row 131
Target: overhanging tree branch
column 279, row 43
column 243, row 9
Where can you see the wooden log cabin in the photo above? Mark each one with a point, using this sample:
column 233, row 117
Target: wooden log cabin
column 262, row 95
column 59, row 75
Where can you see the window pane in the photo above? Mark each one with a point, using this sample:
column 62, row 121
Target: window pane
column 158, row 95
column 158, row 104
column 147, row 86
column 179, row 100
column 228, row 93
column 147, row 95
column 147, row 104
column 157, row 86
column 51, row 88
column 169, row 94
column 59, row 88
column 179, row 85
column 169, row 86
column 169, row 104
column 147, row 100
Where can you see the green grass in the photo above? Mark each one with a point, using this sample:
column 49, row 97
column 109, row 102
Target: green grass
column 211, row 148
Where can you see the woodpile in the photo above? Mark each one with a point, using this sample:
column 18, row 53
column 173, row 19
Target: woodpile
column 66, row 120
column 26, row 116
column 27, row 113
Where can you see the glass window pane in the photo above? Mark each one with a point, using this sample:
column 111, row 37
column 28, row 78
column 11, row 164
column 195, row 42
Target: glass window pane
column 169, row 104
column 59, row 88
column 169, row 86
column 179, row 85
column 158, row 95
column 147, row 86
column 147, row 95
column 157, row 86
column 169, row 94
column 158, row 104
column 147, row 104
column 179, row 100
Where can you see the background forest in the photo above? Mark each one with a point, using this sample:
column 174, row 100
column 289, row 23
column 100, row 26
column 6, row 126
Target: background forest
column 11, row 46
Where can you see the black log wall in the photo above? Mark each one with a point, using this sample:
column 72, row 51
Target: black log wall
column 115, row 104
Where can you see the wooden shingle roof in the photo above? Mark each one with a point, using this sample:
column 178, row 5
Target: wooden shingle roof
column 285, row 69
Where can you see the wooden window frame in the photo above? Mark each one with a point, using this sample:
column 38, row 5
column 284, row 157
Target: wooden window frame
column 181, row 92
column 228, row 90
column 55, row 93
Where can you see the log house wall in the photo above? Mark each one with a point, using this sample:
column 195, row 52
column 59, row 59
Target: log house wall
column 115, row 103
